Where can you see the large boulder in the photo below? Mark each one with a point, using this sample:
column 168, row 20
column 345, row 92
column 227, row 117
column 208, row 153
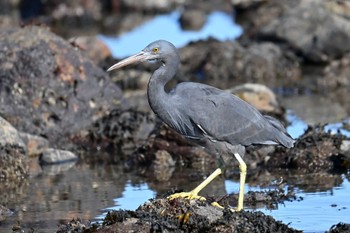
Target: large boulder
column 312, row 29
column 49, row 87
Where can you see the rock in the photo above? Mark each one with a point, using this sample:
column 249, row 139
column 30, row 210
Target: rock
column 49, row 87
column 163, row 165
column 232, row 64
column 13, row 153
column 244, row 4
column 335, row 82
column 314, row 151
column 181, row 215
column 124, row 129
column 93, row 47
column 35, row 144
column 340, row 228
column 313, row 30
column 151, row 5
column 9, row 14
column 54, row 156
column 258, row 95
column 4, row 212
column 192, row 19
column 66, row 18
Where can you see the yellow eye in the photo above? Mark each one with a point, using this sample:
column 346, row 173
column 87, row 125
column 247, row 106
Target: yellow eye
column 156, row 50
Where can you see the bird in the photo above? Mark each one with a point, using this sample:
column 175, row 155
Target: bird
column 209, row 116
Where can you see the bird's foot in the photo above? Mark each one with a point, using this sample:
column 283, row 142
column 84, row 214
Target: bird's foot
column 187, row 195
column 237, row 209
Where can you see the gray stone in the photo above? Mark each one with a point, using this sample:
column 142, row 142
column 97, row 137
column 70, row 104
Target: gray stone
column 54, row 156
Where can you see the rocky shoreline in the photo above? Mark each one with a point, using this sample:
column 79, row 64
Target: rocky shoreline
column 58, row 103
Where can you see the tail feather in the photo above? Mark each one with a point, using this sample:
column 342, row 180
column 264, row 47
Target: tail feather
column 281, row 133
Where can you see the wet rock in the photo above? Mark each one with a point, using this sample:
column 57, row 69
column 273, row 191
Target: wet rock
column 263, row 199
column 181, row 150
column 13, row 153
column 232, row 64
column 324, row 34
column 54, row 156
column 188, row 216
column 258, row 95
column 163, row 165
column 315, row 150
column 35, row 144
column 192, row 19
column 74, row 225
column 48, row 87
column 340, row 228
column 122, row 130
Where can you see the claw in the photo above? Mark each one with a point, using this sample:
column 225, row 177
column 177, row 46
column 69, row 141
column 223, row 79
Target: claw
column 187, row 195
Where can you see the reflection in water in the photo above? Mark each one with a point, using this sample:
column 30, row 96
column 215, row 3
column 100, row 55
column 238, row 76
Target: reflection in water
column 89, row 191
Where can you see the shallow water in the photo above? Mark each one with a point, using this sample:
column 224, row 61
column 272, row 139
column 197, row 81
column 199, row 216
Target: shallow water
column 58, row 194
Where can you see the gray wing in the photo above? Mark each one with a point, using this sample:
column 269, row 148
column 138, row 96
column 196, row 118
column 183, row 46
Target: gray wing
column 219, row 115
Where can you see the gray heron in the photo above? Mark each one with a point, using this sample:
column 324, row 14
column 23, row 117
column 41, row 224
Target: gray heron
column 205, row 114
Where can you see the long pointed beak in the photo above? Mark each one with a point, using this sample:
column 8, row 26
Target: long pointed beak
column 139, row 57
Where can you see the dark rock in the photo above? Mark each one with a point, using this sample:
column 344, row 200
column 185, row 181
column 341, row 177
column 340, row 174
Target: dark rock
column 340, row 228
column 232, row 64
column 192, row 19
column 54, row 156
column 13, row 153
column 47, row 86
column 255, row 15
column 121, row 130
column 74, row 225
column 181, row 215
column 324, row 34
column 315, row 150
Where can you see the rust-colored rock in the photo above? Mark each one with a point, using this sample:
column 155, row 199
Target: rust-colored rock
column 48, row 87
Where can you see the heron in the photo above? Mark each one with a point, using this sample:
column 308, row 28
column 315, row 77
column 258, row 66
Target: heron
column 206, row 115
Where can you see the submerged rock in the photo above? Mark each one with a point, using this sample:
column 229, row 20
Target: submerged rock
column 54, row 156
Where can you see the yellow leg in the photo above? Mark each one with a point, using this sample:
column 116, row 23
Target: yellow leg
column 242, row 175
column 194, row 193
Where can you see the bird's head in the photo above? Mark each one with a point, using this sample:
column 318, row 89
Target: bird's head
column 160, row 50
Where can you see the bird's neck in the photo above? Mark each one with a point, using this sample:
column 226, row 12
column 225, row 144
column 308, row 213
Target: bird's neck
column 158, row 98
